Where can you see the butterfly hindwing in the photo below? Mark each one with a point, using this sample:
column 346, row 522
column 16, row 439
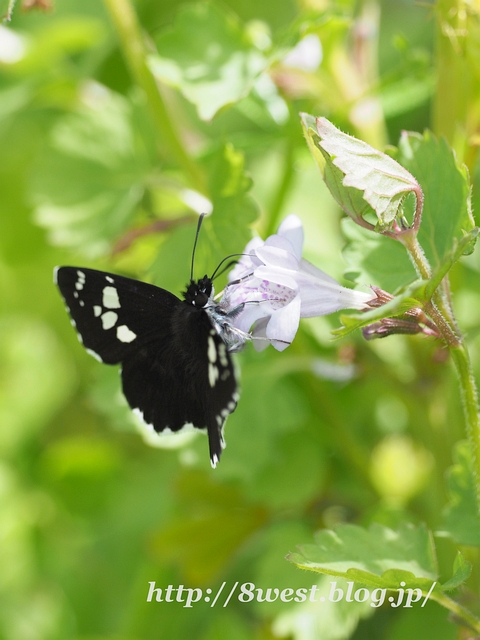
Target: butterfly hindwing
column 185, row 380
column 176, row 369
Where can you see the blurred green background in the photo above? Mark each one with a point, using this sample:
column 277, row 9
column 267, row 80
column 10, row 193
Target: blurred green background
column 326, row 432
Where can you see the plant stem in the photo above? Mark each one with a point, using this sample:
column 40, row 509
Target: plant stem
column 135, row 53
column 470, row 407
column 438, row 308
column 441, row 313
column 462, row 614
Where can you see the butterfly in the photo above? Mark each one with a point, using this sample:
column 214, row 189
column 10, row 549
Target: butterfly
column 176, row 369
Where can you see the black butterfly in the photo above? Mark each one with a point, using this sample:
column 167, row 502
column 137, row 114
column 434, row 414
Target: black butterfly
column 176, row 367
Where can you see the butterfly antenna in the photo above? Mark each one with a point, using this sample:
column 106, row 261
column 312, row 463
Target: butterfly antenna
column 232, row 262
column 200, row 220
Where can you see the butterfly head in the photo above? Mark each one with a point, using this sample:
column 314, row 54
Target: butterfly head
column 198, row 293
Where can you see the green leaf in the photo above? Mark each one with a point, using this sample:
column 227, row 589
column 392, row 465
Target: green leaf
column 461, row 520
column 409, row 299
column 377, row 557
column 446, row 212
column 209, row 57
column 447, row 230
column 234, row 210
column 375, row 259
column 357, row 174
column 323, row 618
column 225, row 231
column 460, row 248
column 89, row 179
column 461, row 572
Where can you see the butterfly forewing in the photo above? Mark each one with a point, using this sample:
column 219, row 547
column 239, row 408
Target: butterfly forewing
column 176, row 370
column 113, row 314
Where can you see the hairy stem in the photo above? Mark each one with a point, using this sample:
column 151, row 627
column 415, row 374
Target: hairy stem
column 471, row 408
column 441, row 313
column 463, row 615
column 437, row 308
column 135, row 52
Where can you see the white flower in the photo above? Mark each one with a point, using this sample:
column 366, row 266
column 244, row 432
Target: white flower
column 278, row 287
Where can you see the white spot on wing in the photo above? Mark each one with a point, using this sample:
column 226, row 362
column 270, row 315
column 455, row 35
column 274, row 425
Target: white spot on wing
column 108, row 279
column 109, row 319
column 81, row 303
column 222, row 353
column 212, row 350
column 212, row 374
column 97, row 310
column 110, row 298
column 79, row 285
column 124, row 334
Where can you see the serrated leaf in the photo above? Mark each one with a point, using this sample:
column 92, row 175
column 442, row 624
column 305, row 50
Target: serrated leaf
column 377, row 557
column 90, row 177
column 447, row 230
column 355, row 171
column 208, row 56
column 446, row 212
column 461, row 520
column 403, row 302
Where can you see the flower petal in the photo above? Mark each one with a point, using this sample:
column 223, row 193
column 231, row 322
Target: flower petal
column 277, row 276
column 292, row 229
column 283, row 324
column 308, row 267
column 277, row 257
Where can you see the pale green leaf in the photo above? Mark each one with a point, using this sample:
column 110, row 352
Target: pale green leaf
column 376, row 557
column 461, row 572
column 353, row 170
column 209, row 57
